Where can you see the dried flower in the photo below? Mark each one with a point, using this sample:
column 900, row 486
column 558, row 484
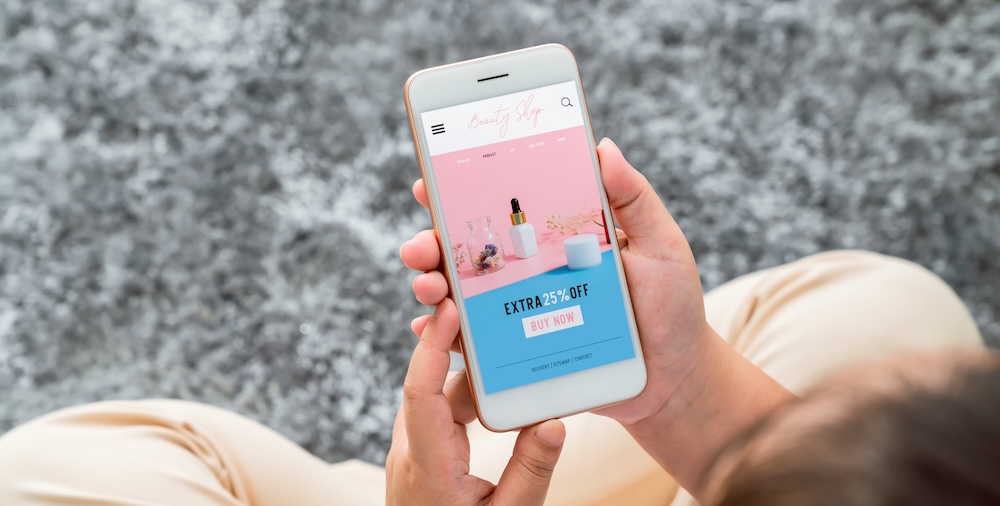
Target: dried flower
column 573, row 223
column 460, row 254
column 488, row 261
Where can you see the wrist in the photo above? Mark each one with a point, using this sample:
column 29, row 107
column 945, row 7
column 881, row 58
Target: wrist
column 717, row 397
column 684, row 386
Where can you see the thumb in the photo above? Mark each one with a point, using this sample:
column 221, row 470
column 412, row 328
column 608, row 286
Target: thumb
column 637, row 208
column 526, row 479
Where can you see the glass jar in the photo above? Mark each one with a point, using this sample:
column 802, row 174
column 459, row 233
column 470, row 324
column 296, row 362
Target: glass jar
column 485, row 247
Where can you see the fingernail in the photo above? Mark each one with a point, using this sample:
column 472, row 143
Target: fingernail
column 550, row 433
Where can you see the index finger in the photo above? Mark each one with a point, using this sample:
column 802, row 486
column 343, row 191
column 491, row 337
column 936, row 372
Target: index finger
column 420, row 192
column 427, row 412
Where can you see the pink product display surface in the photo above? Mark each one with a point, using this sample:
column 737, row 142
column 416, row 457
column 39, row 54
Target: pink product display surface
column 550, row 174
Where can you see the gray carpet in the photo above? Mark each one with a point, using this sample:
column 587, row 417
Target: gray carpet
column 206, row 202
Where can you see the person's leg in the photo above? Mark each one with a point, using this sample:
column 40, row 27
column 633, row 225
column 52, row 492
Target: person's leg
column 169, row 452
column 806, row 320
column 803, row 321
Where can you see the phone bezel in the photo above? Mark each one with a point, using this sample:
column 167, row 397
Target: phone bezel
column 458, row 83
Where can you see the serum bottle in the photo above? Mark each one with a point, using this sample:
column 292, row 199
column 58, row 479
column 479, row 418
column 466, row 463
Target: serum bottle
column 522, row 234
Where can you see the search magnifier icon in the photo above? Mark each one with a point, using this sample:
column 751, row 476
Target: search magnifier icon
column 565, row 102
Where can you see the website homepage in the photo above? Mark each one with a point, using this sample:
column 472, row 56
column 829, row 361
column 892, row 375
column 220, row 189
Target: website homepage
column 522, row 211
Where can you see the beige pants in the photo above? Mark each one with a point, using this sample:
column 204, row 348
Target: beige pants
column 799, row 322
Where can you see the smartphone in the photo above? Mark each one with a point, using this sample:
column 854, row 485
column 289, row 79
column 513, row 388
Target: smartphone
column 508, row 158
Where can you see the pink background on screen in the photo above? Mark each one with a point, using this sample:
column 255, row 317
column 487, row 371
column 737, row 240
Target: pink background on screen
column 557, row 177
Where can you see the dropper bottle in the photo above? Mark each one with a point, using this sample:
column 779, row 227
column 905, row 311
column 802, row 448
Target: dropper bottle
column 522, row 233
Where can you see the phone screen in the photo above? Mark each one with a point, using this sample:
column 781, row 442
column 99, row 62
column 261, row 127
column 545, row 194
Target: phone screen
column 523, row 216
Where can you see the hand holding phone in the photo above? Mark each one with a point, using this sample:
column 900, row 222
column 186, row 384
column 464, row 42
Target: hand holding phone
column 429, row 459
column 679, row 345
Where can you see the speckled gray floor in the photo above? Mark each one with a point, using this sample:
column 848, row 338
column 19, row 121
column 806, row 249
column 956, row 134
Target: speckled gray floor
column 206, row 202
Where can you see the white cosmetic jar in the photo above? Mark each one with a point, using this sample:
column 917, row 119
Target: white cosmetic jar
column 582, row 251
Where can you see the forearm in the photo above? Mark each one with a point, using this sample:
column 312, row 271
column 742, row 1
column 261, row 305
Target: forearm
column 719, row 398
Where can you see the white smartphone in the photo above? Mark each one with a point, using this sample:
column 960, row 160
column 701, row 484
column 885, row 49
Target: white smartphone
column 509, row 161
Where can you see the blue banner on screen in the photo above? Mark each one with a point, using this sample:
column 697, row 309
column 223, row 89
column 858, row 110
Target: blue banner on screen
column 556, row 323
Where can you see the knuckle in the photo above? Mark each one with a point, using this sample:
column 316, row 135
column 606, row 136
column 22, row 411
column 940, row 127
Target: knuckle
column 410, row 391
column 535, row 469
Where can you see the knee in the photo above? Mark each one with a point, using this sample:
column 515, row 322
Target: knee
column 891, row 271
column 86, row 451
column 25, row 453
column 67, row 444
column 902, row 288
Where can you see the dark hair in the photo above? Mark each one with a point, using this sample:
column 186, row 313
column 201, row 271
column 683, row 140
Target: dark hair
column 910, row 442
